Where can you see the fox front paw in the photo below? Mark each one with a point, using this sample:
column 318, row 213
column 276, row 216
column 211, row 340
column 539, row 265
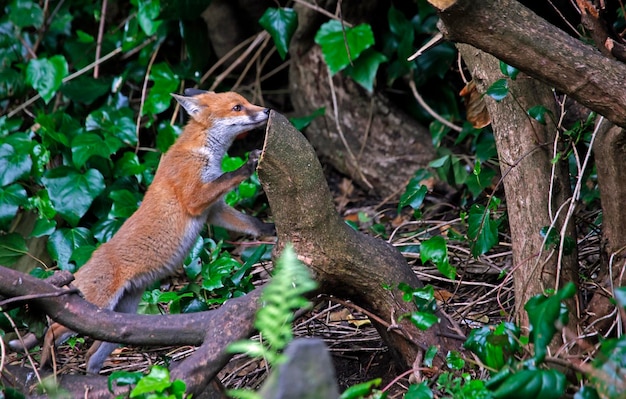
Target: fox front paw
column 253, row 160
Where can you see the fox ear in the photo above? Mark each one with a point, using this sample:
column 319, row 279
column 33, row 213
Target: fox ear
column 191, row 105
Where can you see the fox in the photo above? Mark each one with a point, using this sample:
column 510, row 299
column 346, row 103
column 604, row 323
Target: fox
column 187, row 191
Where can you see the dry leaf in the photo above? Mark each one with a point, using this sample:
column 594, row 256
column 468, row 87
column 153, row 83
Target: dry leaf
column 476, row 109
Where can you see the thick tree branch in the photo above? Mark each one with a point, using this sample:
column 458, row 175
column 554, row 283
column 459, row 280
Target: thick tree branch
column 88, row 319
column 345, row 262
column 517, row 36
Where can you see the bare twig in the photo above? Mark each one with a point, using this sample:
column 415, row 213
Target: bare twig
column 99, row 40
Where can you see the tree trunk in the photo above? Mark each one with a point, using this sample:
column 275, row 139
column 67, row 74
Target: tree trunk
column 525, row 152
column 345, row 262
column 610, row 157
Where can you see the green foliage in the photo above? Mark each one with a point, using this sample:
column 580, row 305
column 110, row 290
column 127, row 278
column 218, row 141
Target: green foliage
column 281, row 23
column 545, row 314
column 424, row 300
column 482, row 230
column 494, row 347
column 360, row 390
column 156, row 384
column 281, row 297
column 498, row 89
column 435, row 249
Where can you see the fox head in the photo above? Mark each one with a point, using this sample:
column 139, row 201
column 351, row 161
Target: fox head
column 224, row 114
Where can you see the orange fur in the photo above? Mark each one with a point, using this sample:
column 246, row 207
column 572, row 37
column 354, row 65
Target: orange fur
column 186, row 192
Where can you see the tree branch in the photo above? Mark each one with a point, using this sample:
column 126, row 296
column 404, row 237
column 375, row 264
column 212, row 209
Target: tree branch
column 86, row 318
column 517, row 36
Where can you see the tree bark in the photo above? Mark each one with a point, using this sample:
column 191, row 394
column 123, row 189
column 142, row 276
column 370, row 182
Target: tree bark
column 517, row 36
column 610, row 158
column 345, row 262
column 525, row 152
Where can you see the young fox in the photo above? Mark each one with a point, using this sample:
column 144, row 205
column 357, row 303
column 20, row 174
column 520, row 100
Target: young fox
column 186, row 192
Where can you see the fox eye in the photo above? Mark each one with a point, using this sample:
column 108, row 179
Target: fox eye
column 237, row 108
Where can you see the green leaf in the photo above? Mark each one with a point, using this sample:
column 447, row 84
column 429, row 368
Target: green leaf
column 24, row 13
column 429, row 356
column 360, row 390
column 72, row 192
column 123, row 378
column 423, row 320
column 415, row 192
column 11, row 198
column 587, row 392
column 364, row 69
column 498, row 89
column 63, row 242
column 495, row 347
column 545, row 314
column 43, row 227
column 86, row 145
column 46, row 75
column 165, row 82
column 147, row 14
column 304, row 121
column 113, row 122
column 536, row 384
column 125, row 203
column 454, row 360
column 538, row 112
column 156, row 381
column 335, row 48
column 129, row 165
column 508, row 70
column 435, row 249
column 15, row 158
column 281, row 23
column 12, row 247
column 481, row 229
column 86, row 89
column 419, row 391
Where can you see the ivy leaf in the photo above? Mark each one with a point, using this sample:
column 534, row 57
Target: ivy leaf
column 420, row 391
column 15, row 159
column 423, row 320
column 147, row 14
column 156, row 381
column 11, row 198
column 508, row 70
column 435, row 249
column 533, row 383
column 330, row 37
column 113, row 122
column 365, row 68
column 281, row 23
column 165, row 82
column 545, row 314
column 415, row 191
column 72, row 192
column 84, row 146
column 481, row 230
column 538, row 113
column 498, row 89
column 26, row 13
column 63, row 242
column 301, row 122
column 12, row 247
column 85, row 89
column 46, row 75
column 125, row 203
